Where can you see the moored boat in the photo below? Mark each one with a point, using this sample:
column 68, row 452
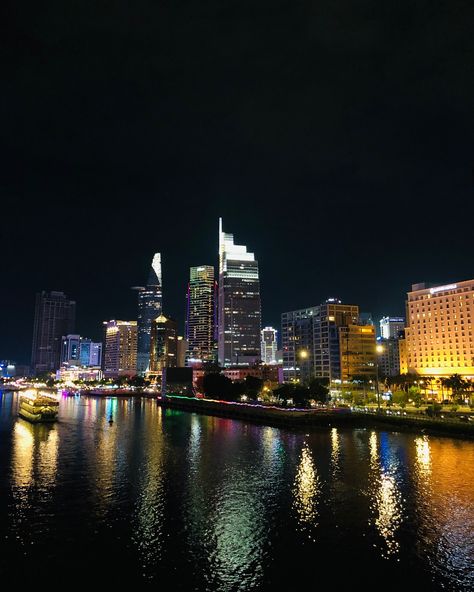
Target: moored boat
column 38, row 406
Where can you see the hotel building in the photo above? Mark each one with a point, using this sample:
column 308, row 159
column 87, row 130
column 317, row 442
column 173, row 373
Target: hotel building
column 439, row 332
column 120, row 357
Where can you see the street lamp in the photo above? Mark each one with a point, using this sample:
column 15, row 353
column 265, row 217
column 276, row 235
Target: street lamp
column 302, row 354
column 379, row 349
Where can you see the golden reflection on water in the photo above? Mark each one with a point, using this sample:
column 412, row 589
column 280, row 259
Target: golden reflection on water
column 35, row 455
column 423, row 456
column 444, row 480
column 307, row 488
column 335, row 450
column 150, row 506
column 386, row 502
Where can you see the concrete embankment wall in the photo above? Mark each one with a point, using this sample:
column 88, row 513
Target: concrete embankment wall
column 319, row 418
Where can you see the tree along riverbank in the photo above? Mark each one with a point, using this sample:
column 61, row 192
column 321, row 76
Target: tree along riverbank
column 320, row 417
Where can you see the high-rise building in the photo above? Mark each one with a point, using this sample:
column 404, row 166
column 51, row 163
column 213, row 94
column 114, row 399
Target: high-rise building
column 391, row 327
column 164, row 344
column 311, row 341
column 120, row 357
column 239, row 318
column 150, row 303
column 297, row 343
column 357, row 347
column 71, row 350
column 388, row 356
column 90, row 352
column 55, row 316
column 79, row 351
column 181, row 351
column 201, row 312
column 439, row 333
column 269, row 345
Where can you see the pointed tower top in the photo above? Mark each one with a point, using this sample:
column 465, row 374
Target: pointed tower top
column 154, row 279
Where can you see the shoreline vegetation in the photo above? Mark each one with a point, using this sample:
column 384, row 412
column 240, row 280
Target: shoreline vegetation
column 320, row 417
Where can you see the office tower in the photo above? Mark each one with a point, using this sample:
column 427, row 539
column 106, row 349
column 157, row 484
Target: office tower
column 297, row 343
column 181, row 351
column 164, row 347
column 239, row 321
column 439, row 331
column 150, row 303
column 71, row 350
column 54, row 317
column 388, row 356
column 201, row 309
column 357, row 347
column 120, row 356
column 311, row 342
column 90, row 353
column 79, row 351
column 269, row 345
column 391, row 327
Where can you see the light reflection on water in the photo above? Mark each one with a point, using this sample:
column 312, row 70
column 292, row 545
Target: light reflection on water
column 225, row 505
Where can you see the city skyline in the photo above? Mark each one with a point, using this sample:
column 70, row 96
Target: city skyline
column 95, row 329
column 333, row 155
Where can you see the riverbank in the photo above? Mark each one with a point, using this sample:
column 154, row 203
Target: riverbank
column 321, row 417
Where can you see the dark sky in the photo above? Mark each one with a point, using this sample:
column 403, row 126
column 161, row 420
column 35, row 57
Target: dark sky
column 335, row 137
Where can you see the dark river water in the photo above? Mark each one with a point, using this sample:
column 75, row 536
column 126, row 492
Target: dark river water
column 190, row 502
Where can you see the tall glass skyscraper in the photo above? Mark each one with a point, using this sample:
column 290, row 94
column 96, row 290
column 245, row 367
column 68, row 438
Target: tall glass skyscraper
column 239, row 316
column 55, row 316
column 150, row 304
column 201, row 312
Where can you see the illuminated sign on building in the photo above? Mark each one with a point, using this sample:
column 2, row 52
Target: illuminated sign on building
column 443, row 288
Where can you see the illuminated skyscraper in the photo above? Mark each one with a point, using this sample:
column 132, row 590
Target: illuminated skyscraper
column 150, row 303
column 201, row 315
column 164, row 344
column 269, row 345
column 239, row 316
column 120, row 358
column 54, row 317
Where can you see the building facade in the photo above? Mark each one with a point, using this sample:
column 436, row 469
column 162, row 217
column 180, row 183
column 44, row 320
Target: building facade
column 311, row 341
column 201, row 315
column 120, row 356
column 390, row 327
column 55, row 316
column 239, row 314
column 388, row 356
column 150, row 305
column 71, row 350
column 90, row 353
column 269, row 345
column 164, row 344
column 439, row 332
column 357, row 346
column 79, row 351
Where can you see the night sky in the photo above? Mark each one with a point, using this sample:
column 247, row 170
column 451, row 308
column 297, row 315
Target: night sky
column 335, row 138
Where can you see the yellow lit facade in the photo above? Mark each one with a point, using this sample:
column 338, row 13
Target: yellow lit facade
column 439, row 330
column 358, row 351
column 120, row 357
